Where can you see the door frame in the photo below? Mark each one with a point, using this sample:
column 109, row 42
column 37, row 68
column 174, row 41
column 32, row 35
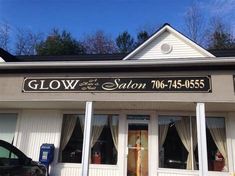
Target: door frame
column 147, row 122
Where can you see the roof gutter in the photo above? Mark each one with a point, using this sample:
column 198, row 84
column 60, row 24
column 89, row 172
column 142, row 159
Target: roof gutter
column 127, row 63
column 192, row 64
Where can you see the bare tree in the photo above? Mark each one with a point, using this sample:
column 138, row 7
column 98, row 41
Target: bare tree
column 4, row 35
column 26, row 42
column 194, row 24
column 99, row 43
column 219, row 34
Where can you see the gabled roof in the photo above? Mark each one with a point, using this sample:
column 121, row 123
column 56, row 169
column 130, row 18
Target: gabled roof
column 163, row 29
column 81, row 57
column 223, row 52
column 5, row 56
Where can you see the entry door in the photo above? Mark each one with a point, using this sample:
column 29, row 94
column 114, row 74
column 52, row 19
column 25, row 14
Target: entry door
column 137, row 158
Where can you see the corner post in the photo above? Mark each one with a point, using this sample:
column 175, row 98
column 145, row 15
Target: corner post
column 87, row 139
column 201, row 138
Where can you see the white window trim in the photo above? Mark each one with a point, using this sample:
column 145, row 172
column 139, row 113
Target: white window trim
column 151, row 114
column 19, row 117
column 173, row 113
column 228, row 142
column 208, row 114
column 79, row 165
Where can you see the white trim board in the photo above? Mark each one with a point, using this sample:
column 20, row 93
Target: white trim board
column 1, row 60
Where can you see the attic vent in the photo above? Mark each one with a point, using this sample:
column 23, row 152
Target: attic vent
column 166, row 48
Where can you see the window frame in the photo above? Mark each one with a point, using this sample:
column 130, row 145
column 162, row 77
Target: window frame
column 96, row 112
column 191, row 113
column 228, row 140
column 18, row 120
column 188, row 115
column 146, row 122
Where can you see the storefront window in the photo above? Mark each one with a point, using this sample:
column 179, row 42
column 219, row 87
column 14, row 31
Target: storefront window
column 7, row 126
column 177, row 142
column 104, row 139
column 216, row 144
column 71, row 139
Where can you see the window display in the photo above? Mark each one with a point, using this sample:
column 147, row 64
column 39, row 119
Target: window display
column 104, row 139
column 177, row 142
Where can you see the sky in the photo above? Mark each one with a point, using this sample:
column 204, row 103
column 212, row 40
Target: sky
column 81, row 17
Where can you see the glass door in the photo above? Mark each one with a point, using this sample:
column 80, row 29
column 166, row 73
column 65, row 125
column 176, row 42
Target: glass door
column 137, row 159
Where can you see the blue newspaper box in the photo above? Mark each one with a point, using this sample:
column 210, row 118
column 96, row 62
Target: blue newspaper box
column 46, row 154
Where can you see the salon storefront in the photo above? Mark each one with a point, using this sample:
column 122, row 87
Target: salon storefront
column 166, row 109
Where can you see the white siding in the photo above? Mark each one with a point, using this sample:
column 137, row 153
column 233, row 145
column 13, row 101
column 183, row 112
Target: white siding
column 181, row 49
column 60, row 170
column 37, row 127
column 44, row 126
column 75, row 169
column 172, row 172
column 102, row 171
